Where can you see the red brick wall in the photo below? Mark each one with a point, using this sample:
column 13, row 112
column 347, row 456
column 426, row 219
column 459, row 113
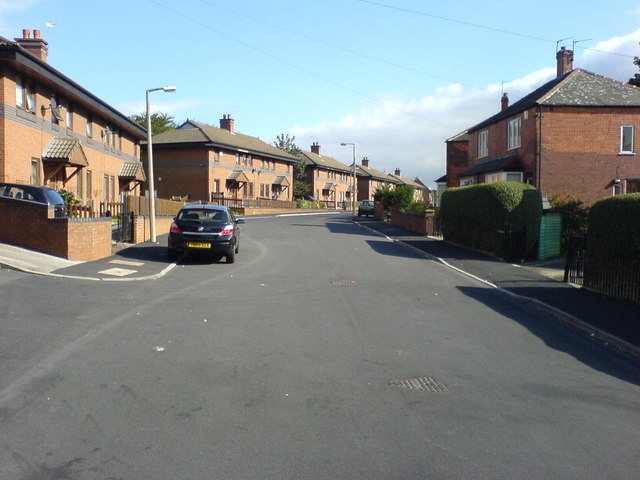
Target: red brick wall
column 457, row 161
column 31, row 226
column 580, row 151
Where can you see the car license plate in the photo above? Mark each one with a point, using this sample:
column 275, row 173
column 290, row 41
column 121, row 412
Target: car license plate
column 198, row 245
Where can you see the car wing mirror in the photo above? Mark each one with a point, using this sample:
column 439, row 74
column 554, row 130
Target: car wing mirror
column 240, row 221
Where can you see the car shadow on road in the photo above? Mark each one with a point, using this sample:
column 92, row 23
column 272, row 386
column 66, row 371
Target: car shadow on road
column 385, row 247
column 560, row 336
column 151, row 253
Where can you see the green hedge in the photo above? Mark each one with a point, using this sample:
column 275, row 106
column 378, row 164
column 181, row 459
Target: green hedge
column 614, row 227
column 472, row 216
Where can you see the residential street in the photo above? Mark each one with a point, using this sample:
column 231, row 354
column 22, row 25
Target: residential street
column 324, row 352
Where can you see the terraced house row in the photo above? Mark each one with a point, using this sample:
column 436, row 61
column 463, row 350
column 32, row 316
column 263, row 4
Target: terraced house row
column 58, row 134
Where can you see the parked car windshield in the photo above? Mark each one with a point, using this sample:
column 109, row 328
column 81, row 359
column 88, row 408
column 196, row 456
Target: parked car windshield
column 204, row 215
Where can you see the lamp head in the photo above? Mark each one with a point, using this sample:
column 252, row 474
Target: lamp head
column 169, row 88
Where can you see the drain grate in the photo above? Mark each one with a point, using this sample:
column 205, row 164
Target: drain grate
column 345, row 282
column 424, row 384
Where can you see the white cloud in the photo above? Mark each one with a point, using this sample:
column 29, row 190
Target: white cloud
column 410, row 134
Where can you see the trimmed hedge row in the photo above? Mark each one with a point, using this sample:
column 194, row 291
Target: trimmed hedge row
column 472, row 216
column 614, row 227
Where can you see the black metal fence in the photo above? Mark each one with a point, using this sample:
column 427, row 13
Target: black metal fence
column 614, row 276
column 512, row 243
column 574, row 264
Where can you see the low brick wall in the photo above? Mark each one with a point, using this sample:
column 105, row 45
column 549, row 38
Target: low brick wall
column 422, row 225
column 32, row 226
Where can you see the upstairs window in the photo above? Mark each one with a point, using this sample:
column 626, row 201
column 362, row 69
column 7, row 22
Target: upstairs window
column 483, row 143
column 513, row 133
column 25, row 96
column 626, row 139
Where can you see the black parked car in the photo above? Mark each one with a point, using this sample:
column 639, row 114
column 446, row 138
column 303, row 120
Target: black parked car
column 31, row 193
column 205, row 228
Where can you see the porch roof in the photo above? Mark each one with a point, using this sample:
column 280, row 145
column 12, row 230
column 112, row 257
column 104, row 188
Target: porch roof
column 65, row 150
column 510, row 163
column 281, row 181
column 133, row 171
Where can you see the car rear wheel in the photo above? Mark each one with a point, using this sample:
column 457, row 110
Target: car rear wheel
column 231, row 256
column 172, row 254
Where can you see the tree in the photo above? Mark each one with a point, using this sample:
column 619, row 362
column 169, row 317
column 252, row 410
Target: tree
column 288, row 144
column 160, row 122
column 635, row 80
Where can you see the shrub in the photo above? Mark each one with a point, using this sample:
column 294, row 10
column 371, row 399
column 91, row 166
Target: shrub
column 69, row 197
column 614, row 227
column 473, row 215
column 574, row 216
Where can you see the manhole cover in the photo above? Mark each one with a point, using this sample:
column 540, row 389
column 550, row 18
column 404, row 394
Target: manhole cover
column 425, row 384
column 345, row 282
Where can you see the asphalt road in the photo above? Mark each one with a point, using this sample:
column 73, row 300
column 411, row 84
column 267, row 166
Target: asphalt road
column 300, row 361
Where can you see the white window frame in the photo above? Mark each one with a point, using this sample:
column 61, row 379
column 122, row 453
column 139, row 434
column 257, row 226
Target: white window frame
column 483, row 144
column 623, row 135
column 514, row 133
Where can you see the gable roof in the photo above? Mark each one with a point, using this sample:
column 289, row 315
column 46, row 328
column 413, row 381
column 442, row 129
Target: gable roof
column 325, row 162
column 195, row 133
column 578, row 88
column 375, row 174
column 405, row 181
column 23, row 60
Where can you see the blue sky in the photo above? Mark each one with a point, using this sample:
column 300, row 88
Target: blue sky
column 396, row 77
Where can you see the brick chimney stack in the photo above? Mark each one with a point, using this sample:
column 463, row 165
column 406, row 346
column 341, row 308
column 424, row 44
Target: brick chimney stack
column 564, row 59
column 397, row 172
column 36, row 45
column 365, row 162
column 315, row 148
column 227, row 123
column 504, row 101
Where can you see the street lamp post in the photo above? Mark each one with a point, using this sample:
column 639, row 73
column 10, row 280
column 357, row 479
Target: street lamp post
column 152, row 202
column 354, row 189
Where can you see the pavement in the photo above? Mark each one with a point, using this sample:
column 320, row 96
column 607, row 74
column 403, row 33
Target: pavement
column 612, row 321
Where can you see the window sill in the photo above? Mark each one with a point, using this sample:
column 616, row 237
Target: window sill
column 626, row 154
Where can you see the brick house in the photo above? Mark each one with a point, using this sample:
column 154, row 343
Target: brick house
column 329, row 180
column 573, row 135
column 56, row 133
column 370, row 179
column 420, row 190
column 200, row 162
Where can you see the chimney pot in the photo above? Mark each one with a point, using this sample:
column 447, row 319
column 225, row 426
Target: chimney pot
column 365, row 162
column 504, row 101
column 564, row 61
column 227, row 123
column 315, row 148
column 397, row 172
column 36, row 45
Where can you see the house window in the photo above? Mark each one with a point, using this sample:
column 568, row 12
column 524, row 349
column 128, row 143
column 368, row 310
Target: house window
column 55, row 116
column 79, row 186
column 35, row 172
column 483, row 143
column 216, row 186
column 69, row 117
column 513, row 133
column 112, row 188
column 89, row 126
column 237, row 158
column 25, row 96
column 626, row 138
column 216, row 157
column 513, row 177
column 89, row 185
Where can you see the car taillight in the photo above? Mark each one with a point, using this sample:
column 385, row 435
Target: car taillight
column 228, row 230
column 174, row 228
